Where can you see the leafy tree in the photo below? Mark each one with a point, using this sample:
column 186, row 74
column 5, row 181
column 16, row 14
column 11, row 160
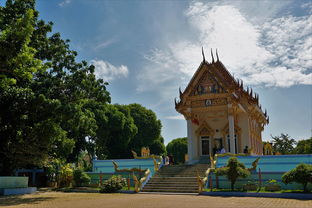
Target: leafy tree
column 115, row 132
column 80, row 177
column 233, row 170
column 149, row 129
column 44, row 92
column 304, row 147
column 158, row 147
column 301, row 174
column 283, row 144
column 178, row 148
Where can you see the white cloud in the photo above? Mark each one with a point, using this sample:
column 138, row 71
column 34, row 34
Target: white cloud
column 276, row 52
column 178, row 117
column 64, row 3
column 104, row 44
column 107, row 71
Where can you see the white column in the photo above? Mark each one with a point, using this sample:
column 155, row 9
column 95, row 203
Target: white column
column 231, row 133
column 190, row 140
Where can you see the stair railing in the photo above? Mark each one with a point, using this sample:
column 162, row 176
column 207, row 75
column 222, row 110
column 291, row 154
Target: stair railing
column 202, row 181
column 139, row 184
column 157, row 165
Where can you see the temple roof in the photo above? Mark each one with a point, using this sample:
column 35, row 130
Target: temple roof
column 214, row 78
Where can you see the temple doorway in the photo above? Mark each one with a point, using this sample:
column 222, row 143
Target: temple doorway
column 205, row 145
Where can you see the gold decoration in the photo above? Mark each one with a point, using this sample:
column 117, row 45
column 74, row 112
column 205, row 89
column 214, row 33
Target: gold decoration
column 138, row 183
column 201, row 182
column 126, row 169
column 154, row 157
column 254, row 164
column 204, row 129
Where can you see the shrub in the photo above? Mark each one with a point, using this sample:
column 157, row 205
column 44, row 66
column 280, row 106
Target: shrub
column 272, row 185
column 233, row 170
column 113, row 185
column 80, row 177
column 65, row 175
column 301, row 174
column 250, row 186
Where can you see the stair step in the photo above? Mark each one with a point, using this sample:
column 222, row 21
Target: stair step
column 176, row 178
column 171, row 190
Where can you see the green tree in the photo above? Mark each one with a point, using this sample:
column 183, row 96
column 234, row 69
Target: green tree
column 149, row 129
column 301, row 174
column 303, row 147
column 158, row 147
column 233, row 170
column 44, row 93
column 80, row 178
column 178, row 148
column 26, row 134
column 115, row 132
column 283, row 144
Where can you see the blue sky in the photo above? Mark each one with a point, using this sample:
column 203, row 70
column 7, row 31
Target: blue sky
column 146, row 50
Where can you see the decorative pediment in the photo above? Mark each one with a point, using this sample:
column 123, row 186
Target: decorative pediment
column 210, row 78
column 207, row 84
column 204, row 129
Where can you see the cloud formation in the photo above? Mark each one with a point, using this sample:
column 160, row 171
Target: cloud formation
column 272, row 53
column 107, row 71
column 178, row 117
column 64, row 3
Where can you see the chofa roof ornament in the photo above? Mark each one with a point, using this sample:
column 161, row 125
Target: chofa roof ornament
column 203, row 54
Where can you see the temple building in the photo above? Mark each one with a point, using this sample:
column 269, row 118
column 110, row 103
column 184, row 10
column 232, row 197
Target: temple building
column 220, row 113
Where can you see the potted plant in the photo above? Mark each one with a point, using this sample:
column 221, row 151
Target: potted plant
column 250, row 186
column 272, row 185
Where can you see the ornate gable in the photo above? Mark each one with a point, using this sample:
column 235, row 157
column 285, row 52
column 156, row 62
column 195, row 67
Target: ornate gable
column 204, row 130
column 211, row 85
column 210, row 78
column 208, row 84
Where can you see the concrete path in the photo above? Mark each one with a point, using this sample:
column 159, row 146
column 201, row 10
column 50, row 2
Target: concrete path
column 96, row 200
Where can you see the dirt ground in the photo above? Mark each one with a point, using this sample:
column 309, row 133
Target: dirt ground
column 95, row 200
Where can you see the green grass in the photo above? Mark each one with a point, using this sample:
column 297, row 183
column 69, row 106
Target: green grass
column 126, row 188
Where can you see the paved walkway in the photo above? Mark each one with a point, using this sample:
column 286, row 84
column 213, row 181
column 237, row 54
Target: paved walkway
column 95, row 200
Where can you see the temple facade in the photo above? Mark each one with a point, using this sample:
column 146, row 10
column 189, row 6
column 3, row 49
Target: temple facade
column 220, row 113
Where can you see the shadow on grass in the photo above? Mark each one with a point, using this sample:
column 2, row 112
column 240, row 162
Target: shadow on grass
column 19, row 199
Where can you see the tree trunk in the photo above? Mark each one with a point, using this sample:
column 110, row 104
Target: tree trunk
column 232, row 186
column 305, row 187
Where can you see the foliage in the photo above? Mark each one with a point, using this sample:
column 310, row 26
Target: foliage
column 283, row 144
column 158, row 147
column 272, row 185
column 178, row 148
column 44, row 92
column 80, row 177
column 65, row 176
column 53, row 107
column 84, row 161
column 149, row 128
column 112, row 185
column 301, row 174
column 304, row 147
column 52, row 169
column 272, row 181
column 116, row 129
column 233, row 170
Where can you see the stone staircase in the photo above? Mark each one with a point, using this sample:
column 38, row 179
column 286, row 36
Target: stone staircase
column 176, row 178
